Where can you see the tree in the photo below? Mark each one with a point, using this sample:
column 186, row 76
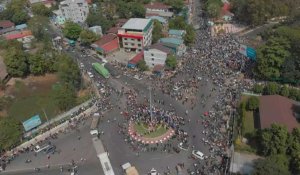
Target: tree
column 37, row 25
column 16, row 62
column 87, row 37
column 123, row 10
column 10, row 133
column 275, row 165
column 190, row 35
column 214, row 8
column 142, row 65
column 64, row 96
column 271, row 89
column 271, row 56
column 69, row 72
column 177, row 23
column 72, row 30
column 40, row 9
column 284, row 91
column 97, row 19
column 273, row 140
column 37, row 64
column 257, row 88
column 171, row 61
column 137, row 10
column 252, row 103
column 20, row 17
column 157, row 31
column 177, row 5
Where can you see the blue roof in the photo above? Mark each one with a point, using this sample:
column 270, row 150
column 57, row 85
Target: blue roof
column 21, row 26
column 176, row 32
column 175, row 41
column 159, row 18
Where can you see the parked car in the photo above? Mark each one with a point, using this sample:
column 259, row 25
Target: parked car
column 137, row 77
column 183, row 146
column 51, row 149
column 197, row 154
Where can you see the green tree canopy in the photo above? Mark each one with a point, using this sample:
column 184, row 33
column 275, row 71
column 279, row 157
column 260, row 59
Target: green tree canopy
column 271, row 88
column 16, row 62
column 15, row 11
column 171, row 61
column 10, row 133
column 69, row 72
column 87, row 37
column 137, row 10
column 257, row 88
column 273, row 140
column 64, row 96
column 190, row 35
column 271, row 56
column 142, row 65
column 214, row 7
column 177, row 23
column 38, row 25
column 72, row 30
column 177, row 5
column 275, row 165
column 40, row 9
column 157, row 31
column 37, row 64
column 95, row 18
column 252, row 103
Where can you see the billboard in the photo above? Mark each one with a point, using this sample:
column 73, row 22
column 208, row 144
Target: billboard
column 248, row 52
column 32, row 123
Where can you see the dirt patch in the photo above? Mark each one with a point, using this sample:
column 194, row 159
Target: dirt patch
column 83, row 93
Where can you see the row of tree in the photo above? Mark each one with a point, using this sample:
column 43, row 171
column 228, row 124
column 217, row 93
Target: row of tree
column 279, row 58
column 273, row 88
column 74, row 31
column 257, row 12
column 282, row 151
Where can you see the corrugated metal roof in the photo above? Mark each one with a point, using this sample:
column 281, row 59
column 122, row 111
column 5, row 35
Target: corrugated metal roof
column 136, row 23
column 175, row 41
column 138, row 57
column 6, row 24
column 21, row 26
column 158, row 18
column 176, row 32
column 18, row 35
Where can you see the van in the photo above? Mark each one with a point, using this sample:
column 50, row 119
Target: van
column 39, row 148
column 50, row 149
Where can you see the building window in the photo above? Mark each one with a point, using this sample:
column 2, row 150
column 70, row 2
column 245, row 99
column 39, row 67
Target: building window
column 139, row 39
column 152, row 54
column 132, row 44
column 126, row 43
column 139, row 45
column 152, row 64
column 152, row 59
column 125, row 38
column 132, row 39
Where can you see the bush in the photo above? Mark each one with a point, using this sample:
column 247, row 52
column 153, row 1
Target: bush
column 258, row 88
column 252, row 103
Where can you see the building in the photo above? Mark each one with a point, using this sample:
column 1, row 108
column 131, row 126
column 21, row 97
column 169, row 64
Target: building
column 278, row 109
column 135, row 60
column 136, row 34
column 106, row 45
column 97, row 30
column 18, row 35
column 158, row 9
column 6, row 26
column 21, row 27
column 156, row 55
column 74, row 10
column 176, row 33
column 175, row 44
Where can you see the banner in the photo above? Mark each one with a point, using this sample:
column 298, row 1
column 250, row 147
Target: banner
column 32, row 123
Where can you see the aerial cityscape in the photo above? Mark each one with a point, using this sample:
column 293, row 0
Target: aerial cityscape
column 149, row 87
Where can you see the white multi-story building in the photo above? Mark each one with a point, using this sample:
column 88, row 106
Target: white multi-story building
column 136, row 34
column 156, row 55
column 74, row 10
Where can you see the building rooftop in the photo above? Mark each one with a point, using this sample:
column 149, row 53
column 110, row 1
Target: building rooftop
column 161, row 47
column 18, row 35
column 137, row 58
column 176, row 32
column 6, row 24
column 175, row 41
column 277, row 109
column 21, row 26
column 105, row 39
column 160, row 13
column 136, row 23
column 158, row 18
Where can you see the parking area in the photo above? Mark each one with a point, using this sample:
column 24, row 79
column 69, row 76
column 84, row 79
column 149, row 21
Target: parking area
column 121, row 56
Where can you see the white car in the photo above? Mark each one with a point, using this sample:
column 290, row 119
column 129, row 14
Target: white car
column 197, row 154
column 153, row 172
column 176, row 88
column 183, row 146
column 90, row 75
column 137, row 77
column 81, row 65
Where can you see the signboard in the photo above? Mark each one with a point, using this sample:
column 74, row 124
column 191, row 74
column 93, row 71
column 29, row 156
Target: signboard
column 32, row 123
column 247, row 52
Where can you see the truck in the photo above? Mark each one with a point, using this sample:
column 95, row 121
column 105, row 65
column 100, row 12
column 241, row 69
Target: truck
column 94, row 125
column 129, row 170
column 101, row 70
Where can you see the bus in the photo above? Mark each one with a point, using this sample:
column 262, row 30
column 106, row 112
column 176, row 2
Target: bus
column 101, row 70
column 94, row 125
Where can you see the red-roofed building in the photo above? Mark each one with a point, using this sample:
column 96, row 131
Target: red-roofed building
column 135, row 60
column 107, row 44
column 18, row 35
column 278, row 109
column 225, row 12
column 6, row 26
